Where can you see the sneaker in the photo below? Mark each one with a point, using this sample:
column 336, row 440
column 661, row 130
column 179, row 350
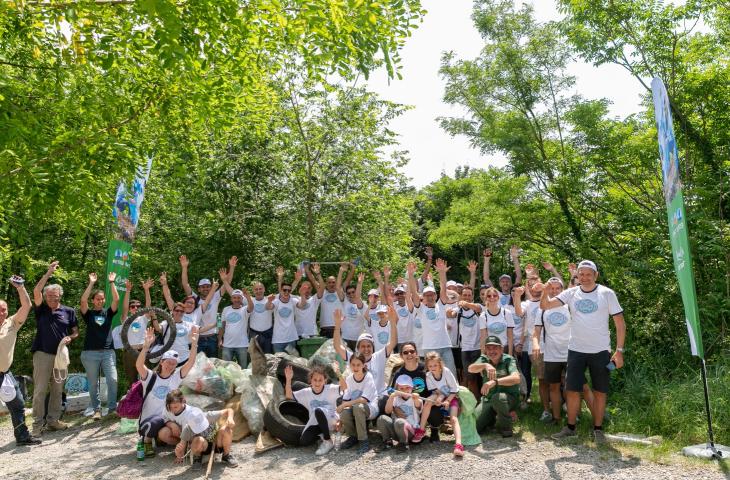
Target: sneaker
column 89, row 412
column 197, row 463
column 402, row 447
column 458, row 450
column 507, row 432
column 546, row 417
column 349, row 443
column 418, row 436
column 97, row 415
column 37, row 431
column 29, row 440
column 599, row 437
column 384, row 447
column 523, row 405
column 564, row 433
column 364, row 447
column 106, row 411
column 434, row 435
column 229, row 460
column 325, row 447
column 57, row 425
column 149, row 450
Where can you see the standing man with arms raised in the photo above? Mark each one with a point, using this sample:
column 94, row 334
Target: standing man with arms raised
column 590, row 305
column 9, row 326
column 56, row 324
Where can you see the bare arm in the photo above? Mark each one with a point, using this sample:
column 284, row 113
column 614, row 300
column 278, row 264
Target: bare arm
column 393, row 322
column 166, row 292
column 125, row 302
column 546, row 302
column 337, row 336
column 184, row 264
column 442, row 268
column 515, row 254
column 412, row 287
column 297, row 279
column 338, row 286
column 487, row 257
column 22, row 314
column 385, row 287
column 84, row 303
column 620, row 323
column 38, row 289
column 553, row 271
column 429, row 262
column 115, row 294
column 320, row 281
column 472, row 267
column 288, row 374
column 279, row 278
column 226, row 279
column 149, row 339
column 147, row 297
column 193, row 352
column 517, row 301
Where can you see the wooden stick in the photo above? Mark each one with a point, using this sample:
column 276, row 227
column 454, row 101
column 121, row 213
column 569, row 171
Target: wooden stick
column 210, row 462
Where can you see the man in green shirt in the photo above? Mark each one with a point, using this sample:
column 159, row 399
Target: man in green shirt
column 501, row 390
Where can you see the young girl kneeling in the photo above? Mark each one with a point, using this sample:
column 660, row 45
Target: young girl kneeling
column 321, row 401
column 201, row 429
column 404, row 408
column 445, row 388
column 359, row 404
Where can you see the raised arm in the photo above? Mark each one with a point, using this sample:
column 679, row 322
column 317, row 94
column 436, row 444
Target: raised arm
column 146, row 285
column 232, row 262
column 350, row 274
column 546, row 302
column 385, row 287
column 127, row 294
column 515, row 254
column 38, row 289
column 193, row 352
column 314, row 270
column 22, row 314
column 337, row 335
column 517, row 300
column 115, row 294
column 442, row 268
column 412, row 287
column 84, row 303
column 393, row 322
column 149, row 339
column 298, row 274
column 184, row 264
column 487, row 257
column 166, row 292
column 226, row 279
column 288, row 374
column 429, row 262
column 358, row 289
column 553, row 271
column 472, row 267
column 209, row 298
column 279, row 278
column 338, row 286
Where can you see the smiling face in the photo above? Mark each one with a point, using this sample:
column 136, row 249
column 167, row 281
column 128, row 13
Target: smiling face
column 405, row 388
column 356, row 365
column 317, row 382
column 587, row 278
column 491, row 295
column 373, row 300
column 331, row 284
column 366, row 348
column 53, row 297
column 176, row 408
column 554, row 289
column 203, row 290
column 505, row 284
column 285, row 292
column 350, row 292
column 237, row 301
column 167, row 367
column 494, row 352
column 189, row 304
column 3, row 310
column 259, row 290
column 305, row 289
column 98, row 300
column 467, row 295
column 429, row 299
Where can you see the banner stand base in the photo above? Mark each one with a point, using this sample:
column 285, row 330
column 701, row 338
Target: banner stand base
column 708, row 451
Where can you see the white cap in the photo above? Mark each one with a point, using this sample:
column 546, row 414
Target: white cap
column 451, row 283
column 555, row 280
column 382, row 309
column 400, row 288
column 237, row 292
column 404, row 381
column 505, row 276
column 459, row 285
column 429, row 289
column 170, row 355
column 204, row 281
column 374, row 291
column 588, row 264
column 364, row 337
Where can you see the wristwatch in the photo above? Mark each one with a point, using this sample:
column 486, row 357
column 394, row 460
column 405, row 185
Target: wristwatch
column 620, row 350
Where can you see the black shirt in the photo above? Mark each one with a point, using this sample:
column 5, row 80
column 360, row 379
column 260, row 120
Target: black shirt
column 418, row 376
column 52, row 326
column 98, row 326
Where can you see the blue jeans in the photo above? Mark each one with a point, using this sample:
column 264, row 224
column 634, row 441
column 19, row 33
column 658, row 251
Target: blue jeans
column 446, row 355
column 17, row 411
column 209, row 345
column 241, row 355
column 106, row 361
column 281, row 347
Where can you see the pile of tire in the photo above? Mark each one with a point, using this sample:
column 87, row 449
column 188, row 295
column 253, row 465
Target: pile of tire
column 285, row 420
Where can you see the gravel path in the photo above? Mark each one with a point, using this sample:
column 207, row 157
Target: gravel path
column 93, row 451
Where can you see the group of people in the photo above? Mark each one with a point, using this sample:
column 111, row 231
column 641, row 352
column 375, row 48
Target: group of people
column 445, row 336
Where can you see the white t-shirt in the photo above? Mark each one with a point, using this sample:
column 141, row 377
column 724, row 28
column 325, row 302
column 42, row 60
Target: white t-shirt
column 354, row 321
column 433, row 322
column 235, row 321
column 284, row 328
column 154, row 404
column 413, row 414
column 193, row 317
column 504, row 299
column 518, row 321
column 533, row 312
column 452, row 326
column 372, row 315
column 555, row 336
column 380, row 333
column 137, row 331
column 418, row 331
column 260, row 319
column 364, row 388
column 446, row 385
column 589, row 312
column 326, row 400
column 210, row 317
column 498, row 324
column 330, row 303
column 191, row 417
column 376, row 368
column 182, row 338
column 305, row 319
column 405, row 323
column 470, row 328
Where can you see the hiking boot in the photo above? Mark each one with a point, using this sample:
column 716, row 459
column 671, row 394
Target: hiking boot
column 418, row 436
column 29, row 440
column 37, row 431
column 364, row 447
column 57, row 425
column 325, row 447
column 564, row 433
column 599, row 437
column 384, row 447
column 198, row 463
column 229, row 460
column 149, row 450
column 546, row 417
column 349, row 443
column 402, row 447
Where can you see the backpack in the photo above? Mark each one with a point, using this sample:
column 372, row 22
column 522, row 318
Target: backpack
column 130, row 406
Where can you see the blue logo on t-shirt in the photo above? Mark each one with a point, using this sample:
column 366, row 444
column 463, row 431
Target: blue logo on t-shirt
column 469, row 321
column 497, row 327
column 355, row 394
column 383, row 337
column 99, row 319
column 285, row 312
column 374, row 317
column 181, row 331
column 352, row 311
column 407, row 409
column 504, row 300
column 586, row 305
column 160, row 391
column 557, row 318
column 318, row 404
column 233, row 317
column 445, row 389
column 330, row 297
column 402, row 312
column 417, row 323
column 517, row 319
column 306, row 306
column 419, row 384
column 259, row 308
column 431, row 314
column 136, row 326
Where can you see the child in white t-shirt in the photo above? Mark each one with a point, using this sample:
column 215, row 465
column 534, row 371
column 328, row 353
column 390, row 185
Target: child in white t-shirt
column 359, row 403
column 445, row 388
column 402, row 415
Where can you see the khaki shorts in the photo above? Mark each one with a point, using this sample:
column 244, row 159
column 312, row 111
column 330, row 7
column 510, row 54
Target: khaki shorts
column 539, row 365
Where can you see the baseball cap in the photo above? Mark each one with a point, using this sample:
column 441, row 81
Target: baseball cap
column 429, row 290
column 400, row 288
column 404, row 381
column 505, row 276
column 170, row 355
column 555, row 280
column 204, row 281
column 588, row 264
column 364, row 337
column 459, row 284
column 373, row 291
column 237, row 292
column 382, row 309
column 451, row 283
column 493, row 340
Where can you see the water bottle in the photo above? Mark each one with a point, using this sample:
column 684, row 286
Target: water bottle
column 219, row 322
column 611, row 366
column 338, row 440
column 140, row 449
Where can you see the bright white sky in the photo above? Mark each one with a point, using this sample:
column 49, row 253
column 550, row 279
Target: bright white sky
column 448, row 26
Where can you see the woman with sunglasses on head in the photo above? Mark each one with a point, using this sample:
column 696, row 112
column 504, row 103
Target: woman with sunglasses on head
column 415, row 369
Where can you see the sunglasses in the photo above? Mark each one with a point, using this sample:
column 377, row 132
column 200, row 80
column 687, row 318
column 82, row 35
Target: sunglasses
column 492, row 296
column 286, row 290
column 134, row 306
column 408, row 352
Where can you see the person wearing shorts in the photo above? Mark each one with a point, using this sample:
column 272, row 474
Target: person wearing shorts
column 590, row 305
